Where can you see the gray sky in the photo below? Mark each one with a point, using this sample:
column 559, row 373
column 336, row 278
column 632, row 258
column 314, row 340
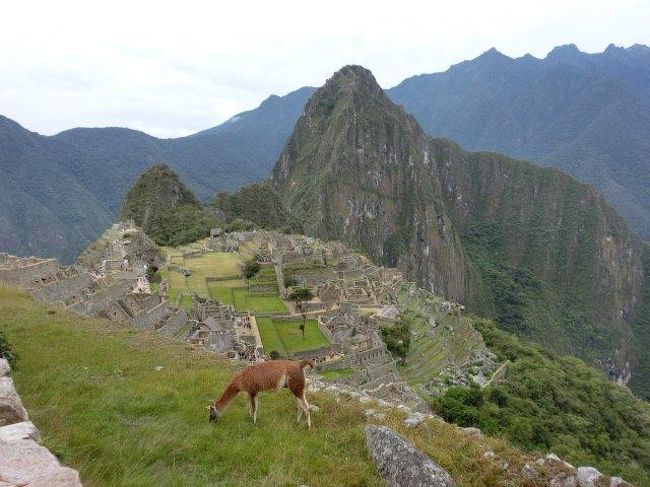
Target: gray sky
column 173, row 68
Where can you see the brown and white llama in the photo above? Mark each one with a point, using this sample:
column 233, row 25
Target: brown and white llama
column 266, row 376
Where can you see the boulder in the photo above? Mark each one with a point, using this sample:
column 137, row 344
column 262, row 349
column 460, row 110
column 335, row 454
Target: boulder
column 11, row 409
column 61, row 477
column 22, row 461
column 24, row 430
column 400, row 463
column 4, row 367
column 617, row 482
column 588, row 476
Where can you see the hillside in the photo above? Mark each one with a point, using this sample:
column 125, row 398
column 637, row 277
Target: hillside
column 588, row 114
column 541, row 253
column 128, row 408
column 59, row 193
column 169, row 213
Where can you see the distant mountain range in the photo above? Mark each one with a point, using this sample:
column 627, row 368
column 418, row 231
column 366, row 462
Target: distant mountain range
column 589, row 114
column 58, row 193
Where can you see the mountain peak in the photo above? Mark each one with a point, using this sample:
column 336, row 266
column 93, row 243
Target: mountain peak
column 352, row 77
column 564, row 52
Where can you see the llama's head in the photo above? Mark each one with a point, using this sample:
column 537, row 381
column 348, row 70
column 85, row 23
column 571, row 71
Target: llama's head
column 214, row 412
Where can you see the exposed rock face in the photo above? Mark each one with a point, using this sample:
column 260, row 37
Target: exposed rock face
column 23, row 462
column 357, row 168
column 400, row 463
column 353, row 170
column 11, row 408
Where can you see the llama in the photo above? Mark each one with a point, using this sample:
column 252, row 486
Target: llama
column 266, row 376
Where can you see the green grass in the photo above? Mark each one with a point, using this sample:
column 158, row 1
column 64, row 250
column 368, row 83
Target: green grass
column 222, row 290
column 210, row 264
column 337, row 373
column 286, row 337
column 247, row 301
column 92, row 389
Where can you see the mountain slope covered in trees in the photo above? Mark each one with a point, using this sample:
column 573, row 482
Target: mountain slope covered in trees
column 543, row 254
column 588, row 114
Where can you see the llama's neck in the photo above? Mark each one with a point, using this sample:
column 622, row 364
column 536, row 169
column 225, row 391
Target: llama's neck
column 231, row 391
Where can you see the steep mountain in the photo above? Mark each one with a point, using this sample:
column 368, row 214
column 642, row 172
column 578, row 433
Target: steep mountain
column 588, row 114
column 162, row 205
column 543, row 254
column 58, row 193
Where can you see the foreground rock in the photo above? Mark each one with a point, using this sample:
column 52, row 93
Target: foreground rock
column 23, row 461
column 400, row 463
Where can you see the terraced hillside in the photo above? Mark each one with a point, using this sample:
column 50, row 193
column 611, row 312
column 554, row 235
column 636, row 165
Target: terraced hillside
column 127, row 408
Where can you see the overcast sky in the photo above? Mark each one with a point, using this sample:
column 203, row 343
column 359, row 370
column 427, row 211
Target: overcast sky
column 173, row 68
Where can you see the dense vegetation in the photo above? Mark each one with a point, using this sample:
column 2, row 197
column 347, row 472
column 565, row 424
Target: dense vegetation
column 256, row 203
column 5, row 349
column 554, row 403
column 397, row 338
column 588, row 114
column 168, row 212
column 641, row 329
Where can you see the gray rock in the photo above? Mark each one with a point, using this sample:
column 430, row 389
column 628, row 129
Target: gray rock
column 11, row 409
column 19, row 431
column 61, row 477
column 24, row 460
column 4, row 367
column 588, row 476
column 617, row 482
column 472, row 432
column 400, row 463
column 563, row 481
column 414, row 419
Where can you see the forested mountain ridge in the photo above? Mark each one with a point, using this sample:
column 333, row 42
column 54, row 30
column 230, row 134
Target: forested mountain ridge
column 588, row 114
column 543, row 254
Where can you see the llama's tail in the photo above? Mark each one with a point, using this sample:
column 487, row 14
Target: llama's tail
column 306, row 362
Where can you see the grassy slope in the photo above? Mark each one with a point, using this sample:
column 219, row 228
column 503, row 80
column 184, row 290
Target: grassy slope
column 92, row 389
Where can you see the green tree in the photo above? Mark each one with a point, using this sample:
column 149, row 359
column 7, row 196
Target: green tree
column 251, row 268
column 301, row 297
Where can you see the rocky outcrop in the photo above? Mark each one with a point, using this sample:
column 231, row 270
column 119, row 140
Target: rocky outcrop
column 23, row 461
column 400, row 463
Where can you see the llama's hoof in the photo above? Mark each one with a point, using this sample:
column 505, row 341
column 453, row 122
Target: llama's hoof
column 314, row 408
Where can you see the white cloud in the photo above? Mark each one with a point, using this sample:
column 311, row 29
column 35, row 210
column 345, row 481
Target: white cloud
column 173, row 68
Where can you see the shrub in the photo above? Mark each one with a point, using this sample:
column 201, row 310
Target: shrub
column 397, row 338
column 5, row 350
column 251, row 268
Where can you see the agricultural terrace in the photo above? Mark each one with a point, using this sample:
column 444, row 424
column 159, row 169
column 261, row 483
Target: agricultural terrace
column 285, row 336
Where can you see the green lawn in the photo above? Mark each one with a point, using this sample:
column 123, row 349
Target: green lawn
column 256, row 303
column 286, row 337
column 210, row 264
column 222, row 290
column 337, row 373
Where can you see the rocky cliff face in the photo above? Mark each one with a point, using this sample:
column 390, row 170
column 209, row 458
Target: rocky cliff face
column 541, row 253
column 357, row 168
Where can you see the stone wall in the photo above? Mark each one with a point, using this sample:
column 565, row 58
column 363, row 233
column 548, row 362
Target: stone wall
column 63, row 289
column 23, row 461
column 156, row 316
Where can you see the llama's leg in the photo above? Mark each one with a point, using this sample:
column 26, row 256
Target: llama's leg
column 305, row 407
column 299, row 404
column 249, row 404
column 255, row 404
